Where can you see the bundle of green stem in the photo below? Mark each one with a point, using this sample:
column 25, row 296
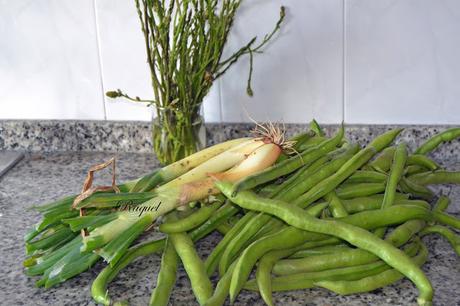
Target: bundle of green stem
column 331, row 215
column 184, row 41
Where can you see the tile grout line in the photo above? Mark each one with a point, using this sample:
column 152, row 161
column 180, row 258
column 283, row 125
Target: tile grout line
column 344, row 59
column 99, row 58
column 221, row 115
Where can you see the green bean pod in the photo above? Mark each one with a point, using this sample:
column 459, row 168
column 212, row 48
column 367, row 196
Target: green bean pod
column 396, row 172
column 264, row 268
column 336, row 206
column 248, row 231
column 302, row 138
column 346, row 257
column 240, row 240
column 255, row 224
column 375, row 281
column 446, row 219
column 99, row 286
column 327, row 246
column 394, row 215
column 316, row 175
column 356, row 162
column 353, row 206
column 367, row 220
column 166, row 276
column 366, row 176
column 308, row 279
column 289, row 165
column 300, row 175
column 382, row 162
column 196, row 271
column 450, row 236
column 404, row 232
column 436, row 140
column 356, row 236
column 192, row 221
column 441, row 204
column 224, row 228
column 350, row 191
column 221, row 292
column 275, row 189
column 212, row 261
column 281, row 240
column 313, row 141
column 422, row 161
column 256, row 220
column 314, row 126
column 223, row 286
column 437, row 177
column 227, row 211
column 263, row 276
column 415, row 189
column 414, row 169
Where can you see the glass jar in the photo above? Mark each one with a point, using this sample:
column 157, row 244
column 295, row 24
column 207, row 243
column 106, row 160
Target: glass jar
column 176, row 136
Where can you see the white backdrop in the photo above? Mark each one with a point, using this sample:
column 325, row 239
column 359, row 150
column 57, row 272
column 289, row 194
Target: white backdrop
column 360, row 61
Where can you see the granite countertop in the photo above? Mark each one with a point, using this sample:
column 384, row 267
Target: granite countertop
column 42, row 177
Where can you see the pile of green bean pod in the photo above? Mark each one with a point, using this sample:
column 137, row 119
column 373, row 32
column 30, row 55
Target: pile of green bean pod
column 332, row 215
column 388, row 204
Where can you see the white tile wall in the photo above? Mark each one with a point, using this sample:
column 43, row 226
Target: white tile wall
column 387, row 61
column 124, row 62
column 299, row 76
column 49, row 65
column 403, row 61
column 123, row 59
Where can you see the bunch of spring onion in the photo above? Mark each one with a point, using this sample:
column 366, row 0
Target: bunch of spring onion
column 329, row 214
column 103, row 222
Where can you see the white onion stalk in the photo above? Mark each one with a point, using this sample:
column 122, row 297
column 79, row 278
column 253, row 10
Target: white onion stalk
column 176, row 169
column 232, row 165
column 118, row 234
column 218, row 163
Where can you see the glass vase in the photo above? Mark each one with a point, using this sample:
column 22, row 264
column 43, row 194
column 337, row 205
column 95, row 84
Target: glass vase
column 176, row 136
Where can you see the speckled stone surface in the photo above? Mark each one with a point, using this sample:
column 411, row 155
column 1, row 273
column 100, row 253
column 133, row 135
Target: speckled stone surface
column 42, row 177
column 134, row 136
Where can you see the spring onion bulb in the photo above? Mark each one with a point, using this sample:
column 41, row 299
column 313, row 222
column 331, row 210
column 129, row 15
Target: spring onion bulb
column 218, row 163
column 244, row 159
column 186, row 164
